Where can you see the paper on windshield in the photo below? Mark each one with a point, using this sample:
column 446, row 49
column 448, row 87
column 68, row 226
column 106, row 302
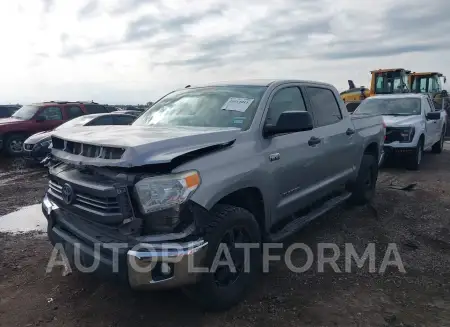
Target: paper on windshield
column 237, row 104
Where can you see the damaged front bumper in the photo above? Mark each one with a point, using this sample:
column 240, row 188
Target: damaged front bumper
column 110, row 254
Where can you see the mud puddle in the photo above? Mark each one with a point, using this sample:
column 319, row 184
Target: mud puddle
column 27, row 219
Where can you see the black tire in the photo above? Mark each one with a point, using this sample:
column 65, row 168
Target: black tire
column 14, row 145
column 439, row 145
column 414, row 161
column 208, row 292
column 363, row 189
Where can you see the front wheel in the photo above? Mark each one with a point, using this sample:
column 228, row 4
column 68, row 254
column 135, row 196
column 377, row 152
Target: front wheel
column 438, row 146
column 415, row 160
column 226, row 284
column 14, row 144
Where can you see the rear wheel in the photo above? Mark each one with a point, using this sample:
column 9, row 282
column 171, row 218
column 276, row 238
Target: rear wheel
column 363, row 190
column 14, row 144
column 415, row 160
column 438, row 146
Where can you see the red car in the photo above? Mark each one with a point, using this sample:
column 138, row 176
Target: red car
column 39, row 117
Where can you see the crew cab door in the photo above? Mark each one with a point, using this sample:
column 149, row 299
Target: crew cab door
column 48, row 118
column 338, row 139
column 290, row 160
column 439, row 123
column 432, row 127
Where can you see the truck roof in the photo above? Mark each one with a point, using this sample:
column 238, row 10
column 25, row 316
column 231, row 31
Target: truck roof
column 47, row 103
column 260, row 82
column 399, row 95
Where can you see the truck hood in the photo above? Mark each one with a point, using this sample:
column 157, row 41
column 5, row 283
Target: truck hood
column 38, row 137
column 10, row 120
column 136, row 145
column 401, row 121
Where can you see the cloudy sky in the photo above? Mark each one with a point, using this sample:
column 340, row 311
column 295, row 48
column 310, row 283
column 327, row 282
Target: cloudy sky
column 137, row 50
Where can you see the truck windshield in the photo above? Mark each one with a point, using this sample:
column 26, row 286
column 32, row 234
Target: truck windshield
column 215, row 106
column 390, row 107
column 79, row 121
column 26, row 112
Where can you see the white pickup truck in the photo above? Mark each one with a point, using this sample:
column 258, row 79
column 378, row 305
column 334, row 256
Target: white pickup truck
column 412, row 122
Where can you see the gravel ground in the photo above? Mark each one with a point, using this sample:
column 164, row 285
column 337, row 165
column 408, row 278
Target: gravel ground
column 417, row 221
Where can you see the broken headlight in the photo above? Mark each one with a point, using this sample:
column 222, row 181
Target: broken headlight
column 162, row 192
column 159, row 199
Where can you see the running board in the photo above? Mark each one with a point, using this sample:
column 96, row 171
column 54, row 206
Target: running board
column 301, row 221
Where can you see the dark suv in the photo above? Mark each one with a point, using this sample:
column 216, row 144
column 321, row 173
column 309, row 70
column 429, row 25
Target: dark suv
column 7, row 110
column 39, row 117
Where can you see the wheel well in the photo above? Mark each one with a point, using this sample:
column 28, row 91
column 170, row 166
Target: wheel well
column 251, row 199
column 372, row 149
column 422, row 138
column 8, row 134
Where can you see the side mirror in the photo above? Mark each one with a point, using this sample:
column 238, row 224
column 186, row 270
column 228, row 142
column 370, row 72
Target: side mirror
column 290, row 122
column 434, row 115
column 40, row 119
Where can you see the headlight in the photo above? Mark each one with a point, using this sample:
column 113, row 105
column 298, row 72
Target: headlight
column 45, row 143
column 162, row 192
column 407, row 134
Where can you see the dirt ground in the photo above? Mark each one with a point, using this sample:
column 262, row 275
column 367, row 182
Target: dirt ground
column 417, row 221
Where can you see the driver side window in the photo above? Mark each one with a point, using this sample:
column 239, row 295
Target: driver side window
column 426, row 106
column 287, row 99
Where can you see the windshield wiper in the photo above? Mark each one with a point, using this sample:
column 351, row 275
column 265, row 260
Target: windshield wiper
column 397, row 114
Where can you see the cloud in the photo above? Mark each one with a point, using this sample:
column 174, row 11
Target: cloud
column 404, row 28
column 48, row 4
column 150, row 26
column 89, row 9
column 158, row 45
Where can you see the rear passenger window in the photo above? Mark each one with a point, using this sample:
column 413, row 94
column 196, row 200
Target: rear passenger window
column 325, row 107
column 287, row 99
column 95, row 109
column 74, row 111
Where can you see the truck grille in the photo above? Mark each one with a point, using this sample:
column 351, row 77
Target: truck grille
column 103, row 209
column 87, row 150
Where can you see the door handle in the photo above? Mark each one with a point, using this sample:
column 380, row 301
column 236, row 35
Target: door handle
column 314, row 141
column 350, row 131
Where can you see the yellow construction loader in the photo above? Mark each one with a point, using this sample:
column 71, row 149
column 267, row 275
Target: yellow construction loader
column 430, row 83
column 383, row 81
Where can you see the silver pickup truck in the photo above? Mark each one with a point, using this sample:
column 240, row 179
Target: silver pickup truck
column 233, row 163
